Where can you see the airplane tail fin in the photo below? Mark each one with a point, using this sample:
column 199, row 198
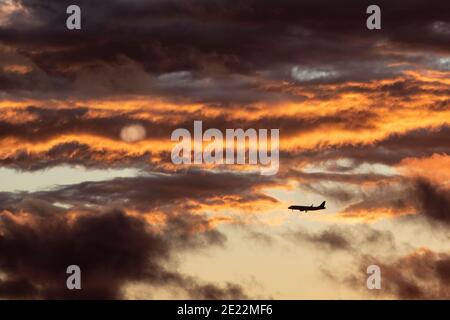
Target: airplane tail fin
column 322, row 205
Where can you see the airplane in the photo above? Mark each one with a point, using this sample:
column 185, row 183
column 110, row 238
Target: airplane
column 306, row 208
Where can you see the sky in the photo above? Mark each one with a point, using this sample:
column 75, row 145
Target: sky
column 87, row 179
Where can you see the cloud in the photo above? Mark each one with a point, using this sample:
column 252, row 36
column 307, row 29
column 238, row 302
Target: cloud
column 432, row 201
column 112, row 249
column 46, row 123
column 301, row 74
column 119, row 232
column 349, row 239
column 337, row 91
column 390, row 150
column 92, row 136
column 136, row 53
column 422, row 274
column 402, row 196
column 330, row 239
column 153, row 190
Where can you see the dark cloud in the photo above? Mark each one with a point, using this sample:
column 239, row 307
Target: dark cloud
column 46, row 124
column 74, row 153
column 39, row 238
column 423, row 274
column 156, row 190
column 55, row 122
column 428, row 199
column 49, row 123
column 338, row 194
column 171, row 193
column 341, row 238
column 346, row 185
column 383, row 195
column 187, row 42
column 432, row 201
column 330, row 239
column 213, row 292
column 112, row 250
column 406, row 89
column 421, row 142
column 348, row 177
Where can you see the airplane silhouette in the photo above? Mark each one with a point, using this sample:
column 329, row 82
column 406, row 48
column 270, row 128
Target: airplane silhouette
column 310, row 208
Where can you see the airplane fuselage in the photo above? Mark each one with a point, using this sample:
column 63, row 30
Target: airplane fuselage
column 308, row 208
column 305, row 208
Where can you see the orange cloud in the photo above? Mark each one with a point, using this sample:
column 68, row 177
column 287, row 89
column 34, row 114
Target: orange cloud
column 435, row 168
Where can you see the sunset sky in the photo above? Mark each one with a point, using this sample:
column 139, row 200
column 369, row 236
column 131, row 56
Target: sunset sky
column 364, row 120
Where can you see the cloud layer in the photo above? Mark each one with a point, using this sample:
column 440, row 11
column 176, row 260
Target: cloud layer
column 363, row 119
